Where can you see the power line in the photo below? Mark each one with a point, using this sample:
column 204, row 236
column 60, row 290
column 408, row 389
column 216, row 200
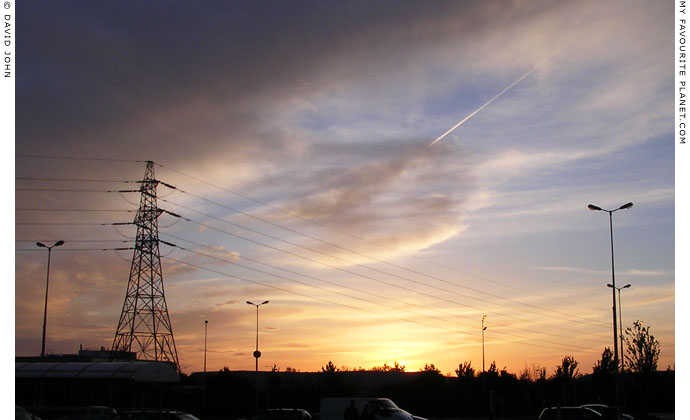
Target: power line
column 60, row 224
column 582, row 319
column 344, row 304
column 374, row 258
column 24, row 178
column 349, row 271
column 354, row 273
column 350, row 288
column 77, row 158
column 317, row 223
column 75, row 210
column 188, row 250
column 328, row 290
column 62, row 190
column 78, row 249
column 311, row 237
column 303, row 275
column 74, row 240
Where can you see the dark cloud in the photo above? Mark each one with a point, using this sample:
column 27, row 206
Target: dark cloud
column 175, row 80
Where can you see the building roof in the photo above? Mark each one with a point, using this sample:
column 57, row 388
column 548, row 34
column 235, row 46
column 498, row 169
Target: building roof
column 136, row 371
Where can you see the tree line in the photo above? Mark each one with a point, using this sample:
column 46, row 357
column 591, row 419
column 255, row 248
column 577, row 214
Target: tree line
column 499, row 393
column 469, row 392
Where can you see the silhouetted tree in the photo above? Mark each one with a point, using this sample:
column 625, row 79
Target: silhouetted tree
column 329, row 368
column 331, row 382
column 567, row 369
column 397, row 367
column 563, row 380
column 273, row 389
column 430, row 368
column 601, row 380
column 606, row 365
column 642, row 349
column 533, row 374
column 465, row 370
column 492, row 371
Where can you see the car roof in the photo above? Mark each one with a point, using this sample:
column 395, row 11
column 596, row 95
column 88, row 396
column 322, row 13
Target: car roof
column 549, row 411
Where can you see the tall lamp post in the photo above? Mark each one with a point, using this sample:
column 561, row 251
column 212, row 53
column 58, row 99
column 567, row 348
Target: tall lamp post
column 483, row 329
column 620, row 320
column 257, row 354
column 613, row 293
column 45, row 308
column 205, row 336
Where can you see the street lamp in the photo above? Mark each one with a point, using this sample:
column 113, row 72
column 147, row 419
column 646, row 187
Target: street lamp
column 620, row 320
column 205, row 336
column 483, row 329
column 45, row 308
column 257, row 354
column 613, row 293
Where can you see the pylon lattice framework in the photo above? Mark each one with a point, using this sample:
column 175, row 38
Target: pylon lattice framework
column 144, row 324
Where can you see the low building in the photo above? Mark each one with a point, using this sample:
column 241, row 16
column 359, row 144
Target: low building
column 50, row 389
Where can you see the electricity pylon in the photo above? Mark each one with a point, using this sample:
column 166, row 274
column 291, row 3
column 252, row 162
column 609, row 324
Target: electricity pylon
column 144, row 325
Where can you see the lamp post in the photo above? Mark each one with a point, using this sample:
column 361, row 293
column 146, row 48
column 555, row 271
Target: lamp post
column 613, row 293
column 205, row 336
column 45, row 308
column 620, row 320
column 257, row 354
column 483, row 329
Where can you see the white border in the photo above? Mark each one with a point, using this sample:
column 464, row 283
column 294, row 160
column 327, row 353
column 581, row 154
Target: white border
column 682, row 17
column 7, row 92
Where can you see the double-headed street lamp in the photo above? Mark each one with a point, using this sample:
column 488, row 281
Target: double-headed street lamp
column 613, row 293
column 620, row 319
column 45, row 308
column 257, row 353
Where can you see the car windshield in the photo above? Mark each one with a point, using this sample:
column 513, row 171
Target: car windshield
column 568, row 413
column 388, row 405
column 596, row 407
column 185, row 416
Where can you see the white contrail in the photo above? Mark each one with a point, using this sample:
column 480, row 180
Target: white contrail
column 496, row 97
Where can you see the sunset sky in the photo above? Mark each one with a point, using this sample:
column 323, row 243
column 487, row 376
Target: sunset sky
column 299, row 137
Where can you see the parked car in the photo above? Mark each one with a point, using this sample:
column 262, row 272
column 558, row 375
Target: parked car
column 381, row 409
column 156, row 415
column 602, row 408
column 283, row 414
column 95, row 412
column 569, row 413
column 20, row 413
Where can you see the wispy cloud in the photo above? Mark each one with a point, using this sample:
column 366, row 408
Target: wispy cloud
column 629, row 272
